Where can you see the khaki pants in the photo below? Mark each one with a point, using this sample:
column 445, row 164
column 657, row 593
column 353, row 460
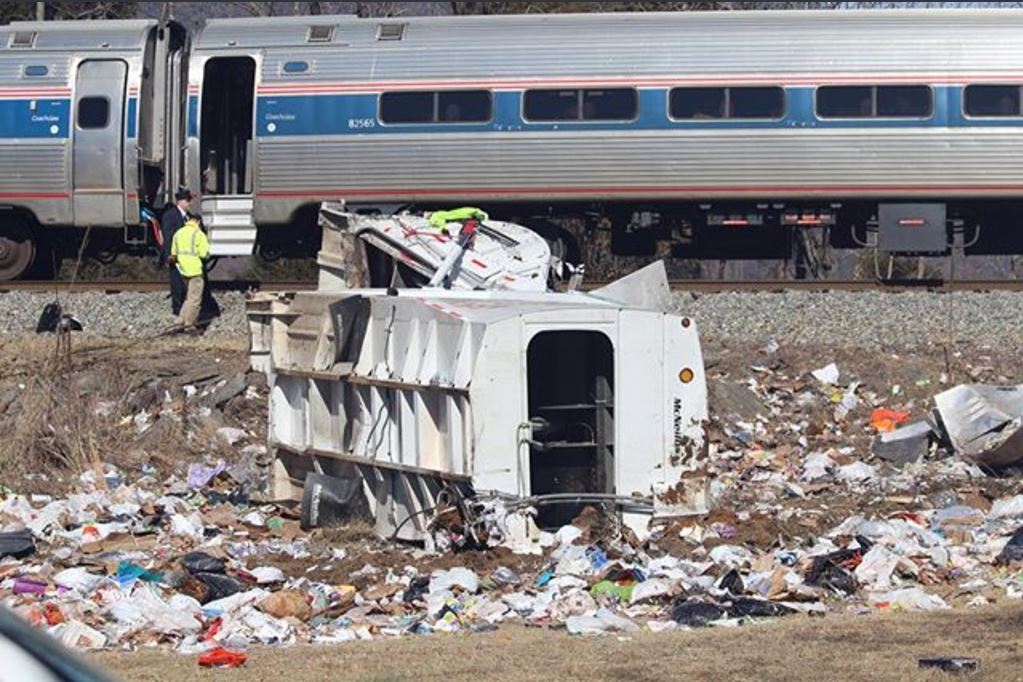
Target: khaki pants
column 193, row 302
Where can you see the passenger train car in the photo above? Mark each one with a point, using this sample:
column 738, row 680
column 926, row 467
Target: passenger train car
column 899, row 129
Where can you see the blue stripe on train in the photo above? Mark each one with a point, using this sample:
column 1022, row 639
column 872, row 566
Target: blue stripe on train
column 49, row 118
column 193, row 116
column 356, row 114
column 133, row 103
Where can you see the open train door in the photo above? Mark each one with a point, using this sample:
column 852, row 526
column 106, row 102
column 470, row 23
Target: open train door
column 226, row 152
column 98, row 172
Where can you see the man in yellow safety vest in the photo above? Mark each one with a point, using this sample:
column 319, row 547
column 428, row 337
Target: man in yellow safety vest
column 189, row 249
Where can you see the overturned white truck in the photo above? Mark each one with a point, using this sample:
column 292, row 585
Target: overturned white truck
column 511, row 390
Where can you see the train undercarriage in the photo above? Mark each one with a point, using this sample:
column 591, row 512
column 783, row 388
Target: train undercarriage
column 889, row 240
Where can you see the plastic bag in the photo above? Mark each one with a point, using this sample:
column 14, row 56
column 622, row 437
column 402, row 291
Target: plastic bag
column 18, row 545
column 463, row 578
column 222, row 658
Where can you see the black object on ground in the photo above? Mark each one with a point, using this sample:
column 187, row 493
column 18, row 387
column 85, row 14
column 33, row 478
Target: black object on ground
column 19, row 544
column 757, row 608
column 732, row 583
column 417, row 589
column 329, row 501
column 219, row 586
column 696, row 614
column 1012, row 551
column 953, row 666
column 200, row 562
column 829, row 571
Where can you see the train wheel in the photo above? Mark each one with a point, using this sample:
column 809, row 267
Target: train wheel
column 17, row 252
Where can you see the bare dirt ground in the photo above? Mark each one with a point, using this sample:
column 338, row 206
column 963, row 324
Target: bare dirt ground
column 877, row 647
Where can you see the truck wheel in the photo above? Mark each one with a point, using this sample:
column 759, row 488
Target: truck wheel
column 17, row 252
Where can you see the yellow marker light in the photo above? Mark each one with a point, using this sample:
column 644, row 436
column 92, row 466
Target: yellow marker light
column 686, row 376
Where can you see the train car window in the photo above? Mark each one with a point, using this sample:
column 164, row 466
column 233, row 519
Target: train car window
column 464, row 106
column 845, row 101
column 407, row 107
column 992, row 100
column 296, row 67
column 765, row 102
column 451, row 106
column 612, row 104
column 619, row 104
column 93, row 113
column 36, row 70
column 909, row 101
column 698, row 103
column 551, row 105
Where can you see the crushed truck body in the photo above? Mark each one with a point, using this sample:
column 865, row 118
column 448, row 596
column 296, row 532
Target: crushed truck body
column 418, row 393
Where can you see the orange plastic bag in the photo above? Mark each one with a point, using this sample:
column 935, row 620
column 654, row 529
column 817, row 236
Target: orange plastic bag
column 222, row 658
column 886, row 421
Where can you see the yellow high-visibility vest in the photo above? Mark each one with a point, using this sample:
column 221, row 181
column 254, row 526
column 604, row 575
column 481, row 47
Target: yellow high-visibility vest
column 190, row 247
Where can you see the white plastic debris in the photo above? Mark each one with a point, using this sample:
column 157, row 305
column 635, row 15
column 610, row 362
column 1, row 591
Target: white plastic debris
column 186, row 526
column 817, row 467
column 848, row 403
column 876, row 570
column 78, row 635
column 268, row 575
column 909, row 599
column 230, row 436
column 1007, row 508
column 827, row 375
column 857, row 472
column 78, row 579
column 651, row 589
column 601, row 623
column 447, row 581
column 731, row 556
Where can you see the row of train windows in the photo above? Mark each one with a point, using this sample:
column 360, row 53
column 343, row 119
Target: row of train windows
column 698, row 103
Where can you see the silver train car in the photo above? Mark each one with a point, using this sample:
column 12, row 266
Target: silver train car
column 898, row 129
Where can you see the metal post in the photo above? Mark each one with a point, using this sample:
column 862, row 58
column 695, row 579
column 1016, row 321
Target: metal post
column 40, row 11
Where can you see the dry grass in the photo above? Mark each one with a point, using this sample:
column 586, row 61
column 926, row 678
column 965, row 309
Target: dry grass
column 57, row 426
column 847, row 648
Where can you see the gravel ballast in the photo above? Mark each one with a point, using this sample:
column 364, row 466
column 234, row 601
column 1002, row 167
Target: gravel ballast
column 859, row 319
column 855, row 319
column 124, row 315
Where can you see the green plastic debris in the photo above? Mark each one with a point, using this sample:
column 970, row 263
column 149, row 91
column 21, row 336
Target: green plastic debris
column 440, row 219
column 606, row 588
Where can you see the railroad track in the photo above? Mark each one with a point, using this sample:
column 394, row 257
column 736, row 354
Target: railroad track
column 696, row 286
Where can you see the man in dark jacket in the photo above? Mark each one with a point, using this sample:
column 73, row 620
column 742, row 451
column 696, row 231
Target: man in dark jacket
column 173, row 219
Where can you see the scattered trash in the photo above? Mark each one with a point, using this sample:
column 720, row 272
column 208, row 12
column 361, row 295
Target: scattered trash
column 953, row 666
column 885, row 421
column 696, row 614
column 1013, row 550
column 287, row 604
column 17, row 545
column 828, row 376
column 983, row 422
column 904, row 445
column 222, row 658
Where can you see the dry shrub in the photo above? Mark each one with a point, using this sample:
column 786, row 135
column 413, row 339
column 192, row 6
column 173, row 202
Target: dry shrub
column 58, row 431
column 59, row 428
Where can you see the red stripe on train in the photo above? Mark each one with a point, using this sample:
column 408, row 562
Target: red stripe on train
column 338, row 192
